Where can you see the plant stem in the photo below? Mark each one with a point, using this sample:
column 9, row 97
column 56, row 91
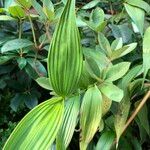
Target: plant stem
column 33, row 32
column 20, row 34
column 137, row 110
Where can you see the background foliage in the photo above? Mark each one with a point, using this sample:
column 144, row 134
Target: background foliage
column 105, row 25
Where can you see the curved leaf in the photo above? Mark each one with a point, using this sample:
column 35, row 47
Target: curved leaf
column 38, row 129
column 105, row 141
column 138, row 17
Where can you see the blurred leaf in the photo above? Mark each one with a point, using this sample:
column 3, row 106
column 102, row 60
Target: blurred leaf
column 31, row 100
column 46, row 119
column 16, row 101
column 117, row 71
column 38, row 67
column 24, row 3
column 69, row 122
column 140, row 3
column 4, row 59
column 105, row 141
column 48, row 9
column 91, row 4
column 92, row 68
column 15, row 45
column 122, row 31
column 38, row 9
column 143, row 118
column 117, row 44
column 6, row 18
column 138, row 17
column 146, row 52
column 91, row 113
column 21, row 62
column 44, row 83
column 16, row 11
column 111, row 91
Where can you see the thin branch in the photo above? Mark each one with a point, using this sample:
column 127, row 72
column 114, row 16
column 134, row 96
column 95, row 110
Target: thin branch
column 33, row 32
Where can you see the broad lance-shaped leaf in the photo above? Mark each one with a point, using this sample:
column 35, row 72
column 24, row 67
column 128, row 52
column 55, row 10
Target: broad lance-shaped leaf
column 38, row 129
column 65, row 55
column 146, row 52
column 124, row 105
column 69, row 122
column 91, row 113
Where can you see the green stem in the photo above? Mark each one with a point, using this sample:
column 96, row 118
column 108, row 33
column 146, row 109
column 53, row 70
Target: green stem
column 20, row 34
column 33, row 32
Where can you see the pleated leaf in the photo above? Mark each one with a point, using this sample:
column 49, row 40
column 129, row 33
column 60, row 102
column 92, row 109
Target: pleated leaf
column 146, row 51
column 69, row 122
column 38, row 129
column 91, row 113
column 65, row 56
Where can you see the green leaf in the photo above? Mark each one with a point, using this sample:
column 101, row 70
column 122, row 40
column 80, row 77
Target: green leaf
column 146, row 52
column 44, row 83
column 91, row 113
column 16, row 11
column 38, row 129
column 15, row 45
column 38, row 67
column 69, row 122
column 143, row 117
column 117, row 71
column 140, row 3
column 97, row 16
column 91, row 4
column 138, row 17
column 31, row 100
column 85, row 79
column 4, row 59
column 48, row 9
column 111, row 91
column 24, row 3
column 100, row 58
column 122, row 31
column 21, row 62
column 105, row 141
column 123, row 51
column 104, row 44
column 6, row 18
column 38, row 8
column 117, row 44
column 92, row 68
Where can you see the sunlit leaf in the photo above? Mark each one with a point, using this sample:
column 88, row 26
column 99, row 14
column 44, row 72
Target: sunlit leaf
column 38, row 129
